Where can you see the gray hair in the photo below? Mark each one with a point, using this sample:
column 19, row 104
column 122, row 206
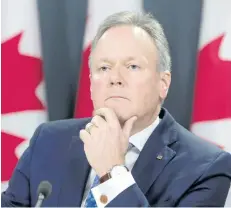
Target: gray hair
column 145, row 21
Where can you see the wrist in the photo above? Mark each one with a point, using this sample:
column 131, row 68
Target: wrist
column 115, row 171
column 108, row 168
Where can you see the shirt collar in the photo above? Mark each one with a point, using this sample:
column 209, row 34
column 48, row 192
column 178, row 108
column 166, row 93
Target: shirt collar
column 139, row 139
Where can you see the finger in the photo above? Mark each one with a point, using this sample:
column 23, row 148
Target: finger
column 84, row 136
column 108, row 114
column 89, row 127
column 98, row 121
column 128, row 126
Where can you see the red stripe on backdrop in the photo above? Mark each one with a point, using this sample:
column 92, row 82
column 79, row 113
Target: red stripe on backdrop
column 84, row 106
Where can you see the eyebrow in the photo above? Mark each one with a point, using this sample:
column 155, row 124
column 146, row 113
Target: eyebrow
column 105, row 60
column 129, row 58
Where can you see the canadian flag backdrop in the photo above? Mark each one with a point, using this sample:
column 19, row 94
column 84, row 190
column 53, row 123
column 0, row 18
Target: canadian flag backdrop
column 97, row 12
column 212, row 104
column 23, row 99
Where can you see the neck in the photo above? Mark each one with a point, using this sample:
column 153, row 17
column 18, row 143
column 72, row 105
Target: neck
column 145, row 121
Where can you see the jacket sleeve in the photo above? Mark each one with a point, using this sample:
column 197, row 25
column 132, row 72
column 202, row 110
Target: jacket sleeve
column 209, row 190
column 131, row 197
column 18, row 192
column 212, row 187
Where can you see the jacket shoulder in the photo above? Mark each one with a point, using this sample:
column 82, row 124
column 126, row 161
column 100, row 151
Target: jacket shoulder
column 60, row 131
column 198, row 149
column 65, row 124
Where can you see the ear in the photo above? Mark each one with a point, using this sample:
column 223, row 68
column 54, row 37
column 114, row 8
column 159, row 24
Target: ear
column 165, row 84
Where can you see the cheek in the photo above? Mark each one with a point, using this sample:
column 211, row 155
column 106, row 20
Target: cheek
column 146, row 91
column 97, row 88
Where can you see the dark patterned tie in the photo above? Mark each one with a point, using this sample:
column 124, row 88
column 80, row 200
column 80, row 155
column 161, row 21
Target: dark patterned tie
column 90, row 201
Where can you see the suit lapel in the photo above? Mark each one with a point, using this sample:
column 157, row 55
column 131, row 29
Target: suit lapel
column 156, row 153
column 75, row 176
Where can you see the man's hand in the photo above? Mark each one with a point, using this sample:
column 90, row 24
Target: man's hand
column 107, row 143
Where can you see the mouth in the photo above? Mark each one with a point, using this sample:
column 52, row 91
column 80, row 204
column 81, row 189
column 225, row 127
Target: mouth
column 116, row 97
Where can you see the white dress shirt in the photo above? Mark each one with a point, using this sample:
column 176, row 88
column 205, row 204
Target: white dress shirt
column 114, row 186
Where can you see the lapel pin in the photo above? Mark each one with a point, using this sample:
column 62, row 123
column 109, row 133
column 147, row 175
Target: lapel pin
column 159, row 157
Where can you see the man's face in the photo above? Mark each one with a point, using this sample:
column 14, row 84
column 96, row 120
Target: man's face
column 124, row 75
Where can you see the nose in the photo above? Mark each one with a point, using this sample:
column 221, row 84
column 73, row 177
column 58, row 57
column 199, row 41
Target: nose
column 116, row 78
column 116, row 83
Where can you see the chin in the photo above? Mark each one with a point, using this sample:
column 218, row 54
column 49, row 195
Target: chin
column 122, row 112
column 122, row 115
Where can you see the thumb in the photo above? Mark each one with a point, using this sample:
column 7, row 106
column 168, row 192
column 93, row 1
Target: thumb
column 128, row 126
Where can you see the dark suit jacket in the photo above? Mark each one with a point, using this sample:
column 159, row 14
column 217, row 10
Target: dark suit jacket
column 192, row 172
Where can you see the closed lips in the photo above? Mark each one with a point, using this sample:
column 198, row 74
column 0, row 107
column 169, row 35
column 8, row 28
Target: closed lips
column 115, row 96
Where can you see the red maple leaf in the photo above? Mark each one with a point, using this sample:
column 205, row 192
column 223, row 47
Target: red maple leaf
column 21, row 75
column 9, row 160
column 213, row 88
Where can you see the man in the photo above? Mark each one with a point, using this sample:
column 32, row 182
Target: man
column 132, row 152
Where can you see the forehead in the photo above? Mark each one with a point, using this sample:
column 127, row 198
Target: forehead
column 125, row 41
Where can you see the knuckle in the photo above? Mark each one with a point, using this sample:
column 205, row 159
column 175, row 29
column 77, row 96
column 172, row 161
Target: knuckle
column 81, row 133
column 95, row 119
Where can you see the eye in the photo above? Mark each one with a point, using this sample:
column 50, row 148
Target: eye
column 103, row 68
column 133, row 67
